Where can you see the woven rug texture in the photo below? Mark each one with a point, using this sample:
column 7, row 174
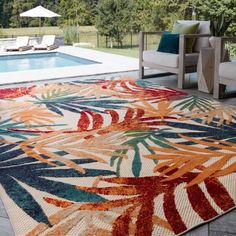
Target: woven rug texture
column 114, row 157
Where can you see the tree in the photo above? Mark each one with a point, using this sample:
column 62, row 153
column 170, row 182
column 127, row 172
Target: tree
column 5, row 12
column 52, row 5
column 114, row 19
column 211, row 9
column 143, row 15
column 92, row 5
column 19, row 6
column 74, row 12
column 159, row 15
column 168, row 11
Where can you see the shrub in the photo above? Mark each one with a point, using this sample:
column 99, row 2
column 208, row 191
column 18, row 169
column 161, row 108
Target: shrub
column 1, row 34
column 71, row 35
column 232, row 49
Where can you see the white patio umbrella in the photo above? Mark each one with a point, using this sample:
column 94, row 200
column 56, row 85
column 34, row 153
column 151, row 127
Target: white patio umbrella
column 39, row 11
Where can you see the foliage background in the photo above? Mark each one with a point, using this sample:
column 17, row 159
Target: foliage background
column 115, row 18
column 146, row 14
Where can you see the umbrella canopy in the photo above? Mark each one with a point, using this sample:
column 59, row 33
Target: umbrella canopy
column 39, row 11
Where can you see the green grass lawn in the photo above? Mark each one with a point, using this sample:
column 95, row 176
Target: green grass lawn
column 121, row 51
column 31, row 31
column 87, row 34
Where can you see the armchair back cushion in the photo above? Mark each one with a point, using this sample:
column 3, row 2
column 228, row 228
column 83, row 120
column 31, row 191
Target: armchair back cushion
column 203, row 28
column 183, row 28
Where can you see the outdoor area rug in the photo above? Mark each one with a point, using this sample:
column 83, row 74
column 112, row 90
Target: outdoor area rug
column 114, row 157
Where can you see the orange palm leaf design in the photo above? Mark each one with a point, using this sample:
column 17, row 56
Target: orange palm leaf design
column 104, row 217
column 205, row 161
column 224, row 113
column 93, row 122
column 98, row 148
column 97, row 90
column 87, row 90
column 163, row 109
column 98, row 143
column 35, row 115
column 13, row 106
column 64, row 220
column 48, row 90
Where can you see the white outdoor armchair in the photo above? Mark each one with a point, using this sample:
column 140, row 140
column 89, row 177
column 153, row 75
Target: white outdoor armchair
column 225, row 72
column 175, row 63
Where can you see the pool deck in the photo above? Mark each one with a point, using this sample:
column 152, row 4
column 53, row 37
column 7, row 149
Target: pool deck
column 108, row 63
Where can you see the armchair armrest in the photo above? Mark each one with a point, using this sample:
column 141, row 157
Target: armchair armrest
column 183, row 37
column 219, row 46
column 228, row 39
column 141, row 38
column 182, row 52
column 195, row 35
column 182, row 45
column 151, row 32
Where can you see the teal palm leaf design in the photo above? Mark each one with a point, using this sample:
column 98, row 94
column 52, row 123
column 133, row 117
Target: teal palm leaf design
column 76, row 104
column 31, row 173
column 7, row 128
column 18, row 130
column 194, row 102
column 140, row 137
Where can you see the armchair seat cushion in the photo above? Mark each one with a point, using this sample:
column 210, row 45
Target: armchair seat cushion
column 169, row 59
column 228, row 70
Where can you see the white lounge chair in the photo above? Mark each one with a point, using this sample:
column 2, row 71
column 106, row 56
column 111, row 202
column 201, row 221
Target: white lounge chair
column 48, row 43
column 21, row 44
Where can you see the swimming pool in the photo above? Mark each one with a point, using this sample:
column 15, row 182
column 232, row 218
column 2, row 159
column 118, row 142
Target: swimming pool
column 10, row 63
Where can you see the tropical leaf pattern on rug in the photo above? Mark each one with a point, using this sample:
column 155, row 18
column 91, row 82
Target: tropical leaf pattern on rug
column 114, row 157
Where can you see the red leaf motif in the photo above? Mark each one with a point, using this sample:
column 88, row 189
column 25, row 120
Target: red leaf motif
column 121, row 225
column 114, row 116
column 58, row 203
column 223, row 200
column 15, row 92
column 129, row 115
column 97, row 120
column 144, row 224
column 83, row 122
column 141, row 193
column 200, row 204
column 171, row 212
column 129, row 86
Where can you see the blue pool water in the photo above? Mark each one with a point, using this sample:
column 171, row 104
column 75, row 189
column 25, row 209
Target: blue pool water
column 34, row 61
